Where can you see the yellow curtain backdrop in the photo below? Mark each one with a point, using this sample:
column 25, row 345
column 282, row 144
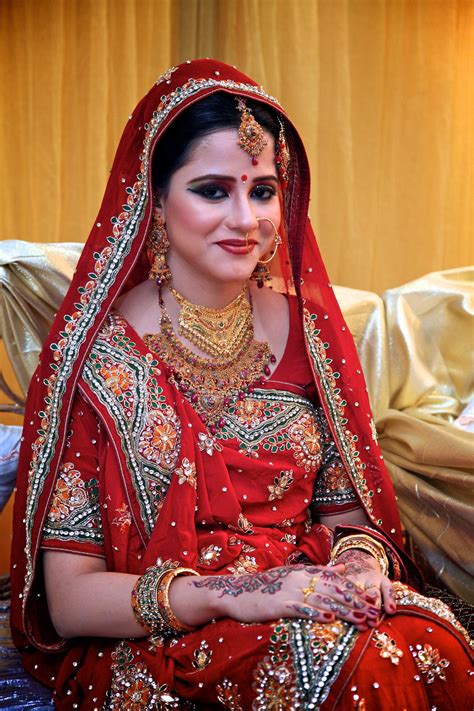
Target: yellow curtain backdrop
column 382, row 91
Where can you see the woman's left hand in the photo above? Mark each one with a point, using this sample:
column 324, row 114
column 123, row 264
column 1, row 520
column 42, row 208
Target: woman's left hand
column 364, row 571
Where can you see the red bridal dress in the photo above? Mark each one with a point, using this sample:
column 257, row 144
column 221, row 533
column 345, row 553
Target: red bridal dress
column 117, row 464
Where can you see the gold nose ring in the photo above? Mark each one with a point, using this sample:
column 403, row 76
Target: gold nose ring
column 276, row 237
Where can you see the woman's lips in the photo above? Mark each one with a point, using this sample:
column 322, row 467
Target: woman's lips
column 237, row 246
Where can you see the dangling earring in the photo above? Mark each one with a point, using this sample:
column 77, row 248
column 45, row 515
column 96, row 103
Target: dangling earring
column 157, row 248
column 261, row 273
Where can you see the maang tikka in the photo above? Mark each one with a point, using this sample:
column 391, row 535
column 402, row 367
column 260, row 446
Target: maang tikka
column 157, row 248
column 251, row 137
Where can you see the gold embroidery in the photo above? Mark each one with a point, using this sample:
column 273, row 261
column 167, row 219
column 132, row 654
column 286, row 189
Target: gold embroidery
column 186, row 473
column 280, row 485
column 388, row 647
column 228, row 695
column 202, row 656
column 429, row 662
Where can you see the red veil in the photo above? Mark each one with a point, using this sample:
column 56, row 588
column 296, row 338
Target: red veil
column 112, row 261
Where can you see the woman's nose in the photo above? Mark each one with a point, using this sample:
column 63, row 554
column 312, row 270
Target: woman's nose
column 242, row 217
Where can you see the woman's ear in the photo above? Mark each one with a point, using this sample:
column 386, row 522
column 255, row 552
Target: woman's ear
column 158, row 205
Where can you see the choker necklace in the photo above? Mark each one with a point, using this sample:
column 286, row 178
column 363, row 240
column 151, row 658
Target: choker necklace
column 212, row 384
column 220, row 333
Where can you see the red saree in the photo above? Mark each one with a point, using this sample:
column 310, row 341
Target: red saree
column 116, row 463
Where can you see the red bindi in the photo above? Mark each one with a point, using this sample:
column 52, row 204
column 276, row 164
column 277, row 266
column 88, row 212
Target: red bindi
column 244, row 178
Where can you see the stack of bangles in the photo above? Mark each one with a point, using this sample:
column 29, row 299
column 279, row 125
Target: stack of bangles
column 150, row 600
column 364, row 543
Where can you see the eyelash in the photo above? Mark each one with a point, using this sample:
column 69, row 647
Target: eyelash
column 208, row 192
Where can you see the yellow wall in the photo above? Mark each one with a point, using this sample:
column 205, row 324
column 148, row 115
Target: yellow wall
column 381, row 90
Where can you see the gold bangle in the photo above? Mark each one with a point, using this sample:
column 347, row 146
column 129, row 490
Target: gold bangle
column 365, row 543
column 150, row 601
column 163, row 602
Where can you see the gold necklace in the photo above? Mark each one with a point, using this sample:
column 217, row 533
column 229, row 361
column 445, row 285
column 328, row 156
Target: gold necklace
column 211, row 384
column 218, row 332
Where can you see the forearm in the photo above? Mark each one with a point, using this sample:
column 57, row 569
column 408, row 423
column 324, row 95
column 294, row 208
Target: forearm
column 85, row 600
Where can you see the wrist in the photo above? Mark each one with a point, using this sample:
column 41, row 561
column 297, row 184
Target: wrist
column 194, row 605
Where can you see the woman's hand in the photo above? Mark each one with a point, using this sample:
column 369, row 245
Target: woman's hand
column 364, row 571
column 272, row 594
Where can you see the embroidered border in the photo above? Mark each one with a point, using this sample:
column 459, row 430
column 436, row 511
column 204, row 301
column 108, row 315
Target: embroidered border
column 405, row 596
column 336, row 405
column 92, row 294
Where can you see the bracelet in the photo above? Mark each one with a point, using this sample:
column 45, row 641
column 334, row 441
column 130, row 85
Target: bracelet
column 365, row 543
column 154, row 616
column 163, row 601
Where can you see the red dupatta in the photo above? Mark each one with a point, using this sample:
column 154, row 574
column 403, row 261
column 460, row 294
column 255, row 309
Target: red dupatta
column 113, row 260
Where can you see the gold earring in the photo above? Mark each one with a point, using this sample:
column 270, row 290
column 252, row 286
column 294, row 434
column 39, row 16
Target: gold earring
column 157, row 248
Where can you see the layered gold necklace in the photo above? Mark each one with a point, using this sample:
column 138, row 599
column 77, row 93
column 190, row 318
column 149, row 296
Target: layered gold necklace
column 219, row 332
column 238, row 362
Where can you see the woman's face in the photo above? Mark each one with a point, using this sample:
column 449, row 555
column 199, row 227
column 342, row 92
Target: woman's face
column 212, row 202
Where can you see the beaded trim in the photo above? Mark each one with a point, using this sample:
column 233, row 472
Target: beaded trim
column 405, row 596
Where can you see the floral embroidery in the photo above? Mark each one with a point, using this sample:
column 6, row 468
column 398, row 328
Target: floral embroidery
column 117, row 379
column 202, row 656
column 208, row 444
column 243, row 564
column 275, row 683
column 388, row 647
column 280, row 485
column 123, row 518
column 250, row 412
column 70, row 494
column 209, row 554
column 133, row 686
column 228, row 695
column 429, row 662
column 74, row 512
column 306, row 438
column 159, row 437
column 141, row 414
column 243, row 525
column 186, row 473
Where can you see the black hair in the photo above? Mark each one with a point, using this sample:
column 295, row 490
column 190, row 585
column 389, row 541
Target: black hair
column 214, row 113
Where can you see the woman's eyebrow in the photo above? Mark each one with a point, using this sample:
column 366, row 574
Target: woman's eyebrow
column 230, row 178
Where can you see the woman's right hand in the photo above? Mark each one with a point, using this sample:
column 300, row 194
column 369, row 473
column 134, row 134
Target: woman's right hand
column 272, row 594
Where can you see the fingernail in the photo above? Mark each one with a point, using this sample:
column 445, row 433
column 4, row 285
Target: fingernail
column 328, row 616
column 359, row 615
column 373, row 611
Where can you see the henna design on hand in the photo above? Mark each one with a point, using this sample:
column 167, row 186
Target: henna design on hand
column 268, row 582
column 357, row 562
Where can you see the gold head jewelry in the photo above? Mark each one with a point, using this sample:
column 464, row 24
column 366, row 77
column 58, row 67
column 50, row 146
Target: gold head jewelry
column 282, row 155
column 218, row 332
column 251, row 136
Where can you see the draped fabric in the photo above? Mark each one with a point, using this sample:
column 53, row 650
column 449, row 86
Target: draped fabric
column 414, row 349
column 381, row 90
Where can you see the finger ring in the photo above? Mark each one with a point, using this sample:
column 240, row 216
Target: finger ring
column 310, row 589
column 360, row 586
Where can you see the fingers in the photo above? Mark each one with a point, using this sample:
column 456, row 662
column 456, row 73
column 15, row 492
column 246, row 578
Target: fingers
column 300, row 609
column 388, row 598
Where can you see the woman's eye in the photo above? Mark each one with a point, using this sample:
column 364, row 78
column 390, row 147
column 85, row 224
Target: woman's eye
column 263, row 192
column 210, row 192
